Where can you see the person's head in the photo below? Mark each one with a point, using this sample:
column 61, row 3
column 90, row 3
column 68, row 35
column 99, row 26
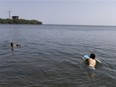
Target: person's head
column 18, row 45
column 11, row 44
column 92, row 55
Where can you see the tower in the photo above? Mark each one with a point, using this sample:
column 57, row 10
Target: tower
column 9, row 13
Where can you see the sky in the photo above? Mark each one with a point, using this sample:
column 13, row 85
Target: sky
column 73, row 12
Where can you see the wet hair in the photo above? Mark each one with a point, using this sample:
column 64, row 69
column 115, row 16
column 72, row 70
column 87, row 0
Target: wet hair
column 11, row 44
column 92, row 55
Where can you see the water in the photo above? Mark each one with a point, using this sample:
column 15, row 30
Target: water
column 51, row 56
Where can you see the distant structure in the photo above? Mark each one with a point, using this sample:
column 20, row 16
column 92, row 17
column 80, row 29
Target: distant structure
column 9, row 13
column 15, row 17
column 16, row 20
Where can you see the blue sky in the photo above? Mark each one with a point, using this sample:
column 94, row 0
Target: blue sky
column 77, row 12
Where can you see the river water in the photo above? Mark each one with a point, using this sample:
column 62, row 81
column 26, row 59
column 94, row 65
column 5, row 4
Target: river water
column 51, row 56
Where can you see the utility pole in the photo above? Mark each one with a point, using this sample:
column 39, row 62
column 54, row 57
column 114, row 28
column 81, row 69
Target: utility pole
column 9, row 13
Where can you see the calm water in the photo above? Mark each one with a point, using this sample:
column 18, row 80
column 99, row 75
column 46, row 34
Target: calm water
column 51, row 56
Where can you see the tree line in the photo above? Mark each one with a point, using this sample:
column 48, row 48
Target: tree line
column 18, row 21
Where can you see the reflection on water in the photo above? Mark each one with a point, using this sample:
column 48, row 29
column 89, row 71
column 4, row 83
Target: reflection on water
column 51, row 56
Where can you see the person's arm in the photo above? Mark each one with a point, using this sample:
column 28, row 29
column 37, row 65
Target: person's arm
column 87, row 61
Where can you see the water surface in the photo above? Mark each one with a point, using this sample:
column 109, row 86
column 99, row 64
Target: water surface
column 51, row 56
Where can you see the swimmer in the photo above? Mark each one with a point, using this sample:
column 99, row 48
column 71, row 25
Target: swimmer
column 13, row 45
column 91, row 61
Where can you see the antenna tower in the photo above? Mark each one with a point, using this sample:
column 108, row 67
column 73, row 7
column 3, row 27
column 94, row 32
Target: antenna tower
column 9, row 13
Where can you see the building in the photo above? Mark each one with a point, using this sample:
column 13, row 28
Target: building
column 15, row 17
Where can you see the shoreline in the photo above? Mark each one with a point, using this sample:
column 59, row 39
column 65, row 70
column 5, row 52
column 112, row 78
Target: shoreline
column 19, row 21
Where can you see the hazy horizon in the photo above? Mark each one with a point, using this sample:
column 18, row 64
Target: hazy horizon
column 72, row 12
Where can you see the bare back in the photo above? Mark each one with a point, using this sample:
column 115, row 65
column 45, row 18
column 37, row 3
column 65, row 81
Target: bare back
column 92, row 62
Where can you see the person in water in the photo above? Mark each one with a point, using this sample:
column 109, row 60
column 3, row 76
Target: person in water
column 91, row 62
column 14, row 45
